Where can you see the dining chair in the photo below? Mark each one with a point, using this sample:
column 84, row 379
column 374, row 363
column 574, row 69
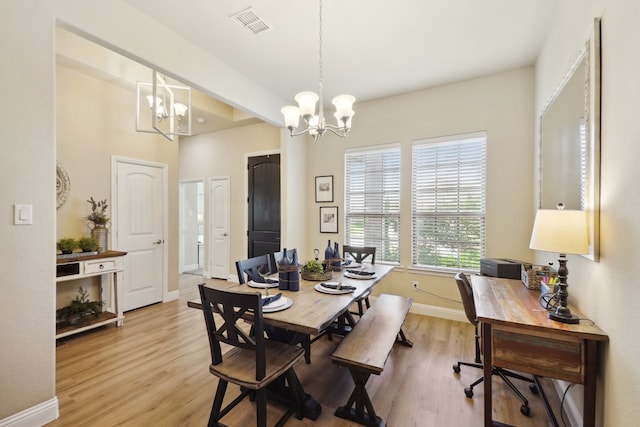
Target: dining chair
column 468, row 303
column 250, row 269
column 359, row 254
column 277, row 256
column 254, row 362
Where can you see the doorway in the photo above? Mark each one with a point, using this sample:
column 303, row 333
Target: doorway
column 263, row 189
column 192, row 241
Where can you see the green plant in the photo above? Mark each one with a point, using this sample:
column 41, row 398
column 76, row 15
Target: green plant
column 80, row 309
column 88, row 244
column 313, row 266
column 98, row 213
column 66, row 245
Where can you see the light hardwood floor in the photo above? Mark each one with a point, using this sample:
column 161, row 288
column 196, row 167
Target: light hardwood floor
column 153, row 371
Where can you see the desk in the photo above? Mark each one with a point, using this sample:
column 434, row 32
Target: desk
column 517, row 334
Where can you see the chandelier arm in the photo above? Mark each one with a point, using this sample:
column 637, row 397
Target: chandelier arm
column 340, row 131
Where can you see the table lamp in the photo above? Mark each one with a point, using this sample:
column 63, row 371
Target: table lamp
column 563, row 231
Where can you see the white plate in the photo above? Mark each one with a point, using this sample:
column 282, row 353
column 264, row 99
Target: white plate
column 352, row 264
column 259, row 285
column 358, row 276
column 324, row 290
column 279, row 304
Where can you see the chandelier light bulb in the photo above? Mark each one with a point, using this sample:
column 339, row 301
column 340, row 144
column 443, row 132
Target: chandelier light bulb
column 307, row 103
column 180, row 109
column 291, row 116
column 344, row 105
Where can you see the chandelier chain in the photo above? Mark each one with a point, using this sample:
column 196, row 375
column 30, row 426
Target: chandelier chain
column 320, row 53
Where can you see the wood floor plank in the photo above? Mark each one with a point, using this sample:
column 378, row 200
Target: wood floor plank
column 154, row 371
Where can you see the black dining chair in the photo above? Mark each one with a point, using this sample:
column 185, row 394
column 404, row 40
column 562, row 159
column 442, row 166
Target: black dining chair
column 254, row 362
column 359, row 254
column 468, row 303
column 250, row 269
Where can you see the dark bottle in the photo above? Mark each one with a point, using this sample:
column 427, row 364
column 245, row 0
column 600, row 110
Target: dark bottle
column 336, row 255
column 294, row 273
column 283, row 271
column 328, row 253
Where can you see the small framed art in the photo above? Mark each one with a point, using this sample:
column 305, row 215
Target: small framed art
column 324, row 188
column 328, row 219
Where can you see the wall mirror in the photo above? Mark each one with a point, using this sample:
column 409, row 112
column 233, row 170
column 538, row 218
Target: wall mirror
column 570, row 141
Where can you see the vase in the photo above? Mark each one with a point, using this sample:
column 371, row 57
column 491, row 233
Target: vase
column 101, row 233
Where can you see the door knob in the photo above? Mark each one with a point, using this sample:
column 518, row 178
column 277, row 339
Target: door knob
column 157, row 242
column 224, row 235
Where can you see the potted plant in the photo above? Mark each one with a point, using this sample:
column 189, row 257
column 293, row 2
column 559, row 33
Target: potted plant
column 80, row 310
column 66, row 245
column 88, row 244
column 99, row 220
column 315, row 270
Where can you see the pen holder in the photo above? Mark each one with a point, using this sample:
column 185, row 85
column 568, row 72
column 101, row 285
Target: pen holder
column 532, row 275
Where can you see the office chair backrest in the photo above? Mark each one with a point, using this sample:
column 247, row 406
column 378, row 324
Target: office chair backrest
column 466, row 293
column 251, row 268
column 233, row 307
column 360, row 253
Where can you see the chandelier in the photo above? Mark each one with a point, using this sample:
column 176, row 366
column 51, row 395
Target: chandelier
column 316, row 125
column 169, row 108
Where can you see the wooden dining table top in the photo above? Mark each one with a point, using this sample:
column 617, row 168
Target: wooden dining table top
column 313, row 311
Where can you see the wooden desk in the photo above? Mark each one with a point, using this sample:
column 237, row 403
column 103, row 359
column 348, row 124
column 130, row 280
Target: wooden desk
column 517, row 334
column 312, row 311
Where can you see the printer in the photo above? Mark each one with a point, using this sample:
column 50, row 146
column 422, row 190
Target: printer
column 499, row 267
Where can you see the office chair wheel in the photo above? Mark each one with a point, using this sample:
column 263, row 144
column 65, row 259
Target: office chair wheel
column 525, row 410
column 533, row 388
column 468, row 392
column 456, row 368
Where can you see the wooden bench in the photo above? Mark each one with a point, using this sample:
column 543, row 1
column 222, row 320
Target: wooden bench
column 365, row 351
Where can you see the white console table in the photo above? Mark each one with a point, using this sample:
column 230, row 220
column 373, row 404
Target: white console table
column 103, row 264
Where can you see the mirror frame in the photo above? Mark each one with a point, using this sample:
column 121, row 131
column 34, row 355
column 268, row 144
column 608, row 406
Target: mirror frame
column 591, row 57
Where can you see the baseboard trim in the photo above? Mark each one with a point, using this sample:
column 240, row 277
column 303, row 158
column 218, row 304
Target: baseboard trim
column 440, row 312
column 172, row 295
column 38, row 415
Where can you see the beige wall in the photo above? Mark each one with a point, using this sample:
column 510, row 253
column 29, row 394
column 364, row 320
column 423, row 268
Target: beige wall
column 224, row 154
column 95, row 121
column 500, row 104
column 607, row 291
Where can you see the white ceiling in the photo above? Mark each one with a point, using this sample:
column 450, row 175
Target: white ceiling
column 372, row 48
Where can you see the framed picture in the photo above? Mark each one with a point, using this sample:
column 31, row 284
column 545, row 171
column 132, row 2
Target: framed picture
column 328, row 219
column 324, row 188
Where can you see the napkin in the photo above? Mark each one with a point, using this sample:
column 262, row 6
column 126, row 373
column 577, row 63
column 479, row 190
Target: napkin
column 269, row 300
column 339, row 286
column 260, row 279
column 362, row 273
column 347, row 262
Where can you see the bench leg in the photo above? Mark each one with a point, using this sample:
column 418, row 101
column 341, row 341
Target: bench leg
column 363, row 413
column 402, row 339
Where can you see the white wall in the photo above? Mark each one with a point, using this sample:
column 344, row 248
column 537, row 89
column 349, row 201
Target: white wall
column 606, row 291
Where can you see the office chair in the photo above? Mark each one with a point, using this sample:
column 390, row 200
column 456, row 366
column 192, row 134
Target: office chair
column 466, row 293
column 254, row 363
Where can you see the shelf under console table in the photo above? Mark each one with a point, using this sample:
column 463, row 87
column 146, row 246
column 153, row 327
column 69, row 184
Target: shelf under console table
column 106, row 265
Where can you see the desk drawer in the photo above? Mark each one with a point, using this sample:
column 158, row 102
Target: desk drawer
column 100, row 266
column 539, row 354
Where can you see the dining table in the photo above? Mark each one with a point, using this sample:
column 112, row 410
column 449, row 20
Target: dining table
column 313, row 308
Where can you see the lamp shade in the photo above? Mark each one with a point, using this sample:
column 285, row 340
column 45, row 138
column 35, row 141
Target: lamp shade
column 562, row 231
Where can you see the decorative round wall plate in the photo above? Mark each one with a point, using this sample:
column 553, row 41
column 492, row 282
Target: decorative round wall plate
column 63, row 185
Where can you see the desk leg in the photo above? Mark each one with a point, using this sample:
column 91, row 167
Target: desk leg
column 486, row 358
column 590, row 362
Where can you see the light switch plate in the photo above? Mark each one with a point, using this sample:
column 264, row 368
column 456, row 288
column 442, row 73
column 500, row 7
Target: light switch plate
column 22, row 214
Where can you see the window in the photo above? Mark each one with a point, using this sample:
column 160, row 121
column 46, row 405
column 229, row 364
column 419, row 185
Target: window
column 372, row 200
column 448, row 202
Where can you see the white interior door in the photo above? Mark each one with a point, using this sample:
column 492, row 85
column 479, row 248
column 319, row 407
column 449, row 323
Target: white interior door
column 140, row 192
column 219, row 227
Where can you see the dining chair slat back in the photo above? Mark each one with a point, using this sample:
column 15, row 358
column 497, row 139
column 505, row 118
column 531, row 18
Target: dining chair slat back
column 360, row 253
column 249, row 269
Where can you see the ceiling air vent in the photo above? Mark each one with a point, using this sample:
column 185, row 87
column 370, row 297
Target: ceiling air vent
column 250, row 21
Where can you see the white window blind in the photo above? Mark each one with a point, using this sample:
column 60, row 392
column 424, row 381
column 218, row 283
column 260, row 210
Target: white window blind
column 372, row 201
column 448, row 202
